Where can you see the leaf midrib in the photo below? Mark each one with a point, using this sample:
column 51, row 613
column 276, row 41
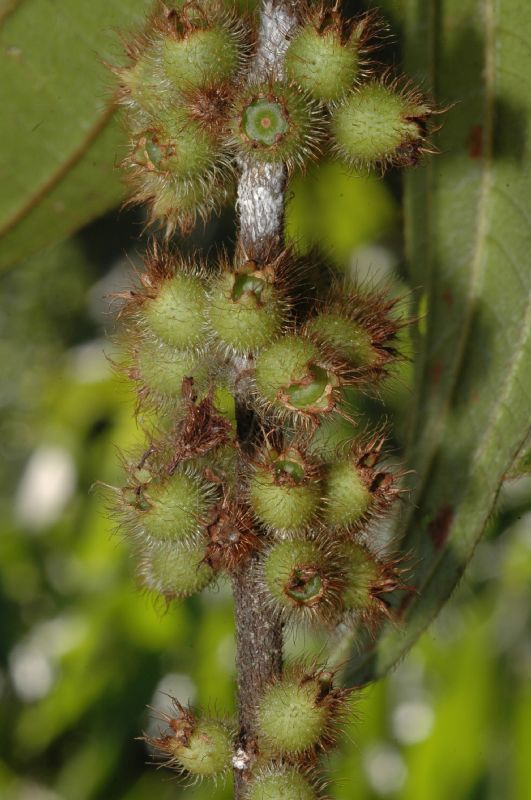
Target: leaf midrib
column 52, row 181
column 476, row 272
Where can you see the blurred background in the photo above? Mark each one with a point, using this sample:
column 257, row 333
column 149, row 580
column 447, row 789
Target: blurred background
column 83, row 653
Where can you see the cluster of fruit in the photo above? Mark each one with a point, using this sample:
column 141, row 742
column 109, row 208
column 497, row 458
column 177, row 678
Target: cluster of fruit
column 193, row 114
column 199, row 502
column 290, row 486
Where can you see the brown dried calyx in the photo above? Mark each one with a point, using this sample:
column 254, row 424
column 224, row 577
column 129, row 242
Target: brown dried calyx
column 181, row 726
column 208, row 105
column 202, row 429
column 232, row 536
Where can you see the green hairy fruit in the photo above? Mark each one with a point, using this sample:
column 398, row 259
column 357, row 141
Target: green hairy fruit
column 161, row 370
column 379, row 126
column 369, row 578
column 325, row 56
column 246, row 309
column 200, row 57
column 291, row 717
column 280, row 783
column 334, row 435
column 176, row 312
column 174, row 509
column 300, row 713
column 141, row 88
column 201, row 747
column 175, row 570
column 349, row 339
column 275, row 123
column 320, row 63
column 303, row 579
column 361, row 327
column 290, row 375
column 208, row 750
column 283, row 495
column 182, row 202
column 175, row 145
column 362, row 571
column 347, row 499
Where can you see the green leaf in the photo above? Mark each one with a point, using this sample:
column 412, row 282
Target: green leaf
column 60, row 140
column 522, row 465
column 468, row 237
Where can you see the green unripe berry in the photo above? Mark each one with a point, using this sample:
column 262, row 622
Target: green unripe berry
column 201, row 747
column 208, row 751
column 176, row 145
column 302, row 579
column 290, row 718
column 377, row 125
column 346, row 497
column 275, row 123
column 362, row 572
column 280, row 783
column 245, row 310
column 181, row 202
column 324, row 65
column 175, row 571
column 332, row 437
column 288, row 375
column 142, row 85
column 200, row 57
column 176, row 313
column 161, row 369
column 280, row 496
column 173, row 510
column 289, row 469
column 348, row 338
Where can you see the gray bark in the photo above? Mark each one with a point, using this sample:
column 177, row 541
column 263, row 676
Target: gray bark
column 260, row 206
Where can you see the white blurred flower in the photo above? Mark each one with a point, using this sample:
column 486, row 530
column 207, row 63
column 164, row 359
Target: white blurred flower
column 31, row 671
column 46, row 486
column 412, row 721
column 373, row 264
column 33, row 791
column 33, row 660
column 385, row 768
